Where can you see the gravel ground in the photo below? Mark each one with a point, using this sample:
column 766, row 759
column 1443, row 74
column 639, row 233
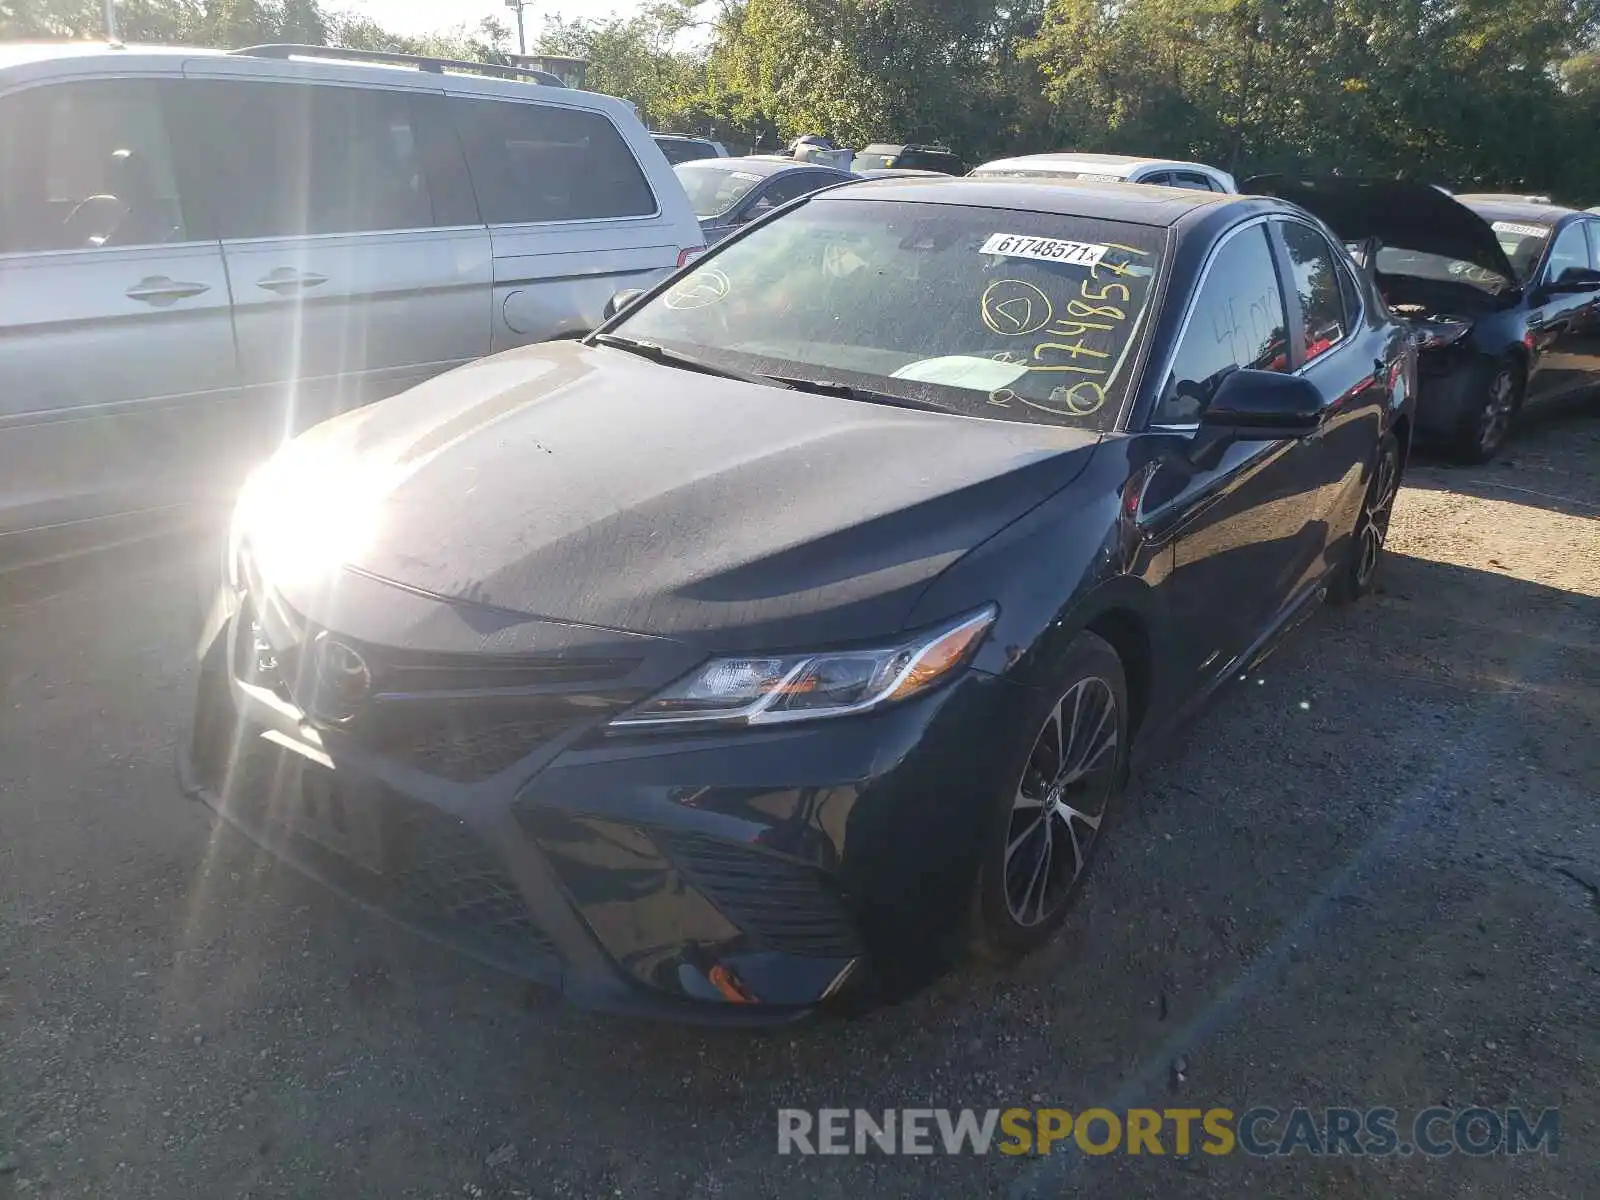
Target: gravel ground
column 1368, row 876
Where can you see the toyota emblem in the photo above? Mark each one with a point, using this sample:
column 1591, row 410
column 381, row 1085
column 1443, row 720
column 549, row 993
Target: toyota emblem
column 342, row 679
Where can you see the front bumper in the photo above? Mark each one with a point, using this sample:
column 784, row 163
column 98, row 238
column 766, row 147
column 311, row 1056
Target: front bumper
column 741, row 878
column 1451, row 382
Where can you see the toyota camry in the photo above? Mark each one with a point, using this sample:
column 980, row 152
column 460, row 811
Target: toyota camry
column 794, row 634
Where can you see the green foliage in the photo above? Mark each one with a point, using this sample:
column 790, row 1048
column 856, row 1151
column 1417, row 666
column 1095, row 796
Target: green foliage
column 1468, row 93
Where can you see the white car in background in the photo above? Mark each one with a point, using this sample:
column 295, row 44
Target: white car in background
column 1111, row 168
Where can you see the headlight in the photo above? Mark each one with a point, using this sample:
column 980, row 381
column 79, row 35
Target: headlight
column 307, row 510
column 1430, row 335
column 770, row 689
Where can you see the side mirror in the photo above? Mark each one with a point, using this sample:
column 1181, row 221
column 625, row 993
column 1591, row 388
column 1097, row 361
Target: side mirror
column 1257, row 406
column 1574, row 279
column 620, row 300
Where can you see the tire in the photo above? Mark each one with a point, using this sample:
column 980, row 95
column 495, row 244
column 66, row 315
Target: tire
column 1042, row 835
column 1496, row 398
column 1359, row 571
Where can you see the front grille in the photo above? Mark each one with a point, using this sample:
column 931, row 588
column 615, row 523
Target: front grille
column 256, row 660
column 783, row 905
column 463, row 747
column 437, row 874
column 464, row 718
column 441, row 867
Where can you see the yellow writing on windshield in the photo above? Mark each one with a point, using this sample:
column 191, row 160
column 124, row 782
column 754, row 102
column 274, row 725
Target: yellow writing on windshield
column 1089, row 338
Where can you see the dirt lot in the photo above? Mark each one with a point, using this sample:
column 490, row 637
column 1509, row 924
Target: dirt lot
column 1370, row 876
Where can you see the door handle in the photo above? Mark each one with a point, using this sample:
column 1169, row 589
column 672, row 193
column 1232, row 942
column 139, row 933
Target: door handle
column 158, row 291
column 286, row 281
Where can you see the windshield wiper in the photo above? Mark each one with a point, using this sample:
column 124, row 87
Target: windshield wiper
column 676, row 358
column 848, row 391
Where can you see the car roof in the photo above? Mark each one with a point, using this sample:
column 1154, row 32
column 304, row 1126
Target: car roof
column 1508, row 197
column 760, row 164
column 1066, row 160
column 14, row 54
column 33, row 58
column 1139, row 203
column 1511, row 210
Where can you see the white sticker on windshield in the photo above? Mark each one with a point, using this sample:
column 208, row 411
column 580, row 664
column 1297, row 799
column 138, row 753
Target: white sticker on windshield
column 744, row 176
column 1016, row 245
column 1537, row 231
column 963, row 371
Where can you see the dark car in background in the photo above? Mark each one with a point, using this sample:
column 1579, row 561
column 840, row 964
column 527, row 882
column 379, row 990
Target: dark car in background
column 881, row 156
column 896, row 173
column 795, row 632
column 726, row 193
column 1503, row 296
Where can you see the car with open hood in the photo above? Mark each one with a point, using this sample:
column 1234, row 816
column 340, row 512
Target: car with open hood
column 795, row 631
column 1503, row 295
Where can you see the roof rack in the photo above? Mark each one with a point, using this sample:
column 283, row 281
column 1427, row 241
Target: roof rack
column 422, row 62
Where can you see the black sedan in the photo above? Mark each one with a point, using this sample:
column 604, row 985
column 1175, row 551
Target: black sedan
column 1503, row 294
column 796, row 631
column 726, row 193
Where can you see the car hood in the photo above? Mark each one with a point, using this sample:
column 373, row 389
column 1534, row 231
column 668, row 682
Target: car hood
column 587, row 485
column 1409, row 216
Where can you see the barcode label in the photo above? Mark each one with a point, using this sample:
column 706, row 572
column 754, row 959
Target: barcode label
column 1531, row 231
column 1016, row 245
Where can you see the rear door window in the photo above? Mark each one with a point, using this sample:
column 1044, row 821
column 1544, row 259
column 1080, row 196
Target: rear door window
column 543, row 162
column 1316, row 280
column 285, row 160
column 1237, row 321
column 87, row 164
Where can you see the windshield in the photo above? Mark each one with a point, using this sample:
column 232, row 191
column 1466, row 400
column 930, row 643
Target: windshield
column 1393, row 260
column 713, row 190
column 1010, row 315
column 685, row 150
column 1523, row 243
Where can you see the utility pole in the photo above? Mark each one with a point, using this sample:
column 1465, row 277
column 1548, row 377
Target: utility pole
column 522, row 38
column 112, row 35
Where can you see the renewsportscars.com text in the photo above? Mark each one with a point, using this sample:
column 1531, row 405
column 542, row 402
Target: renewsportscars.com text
column 1260, row 1132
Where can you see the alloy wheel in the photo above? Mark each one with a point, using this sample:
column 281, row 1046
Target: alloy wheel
column 1061, row 800
column 1376, row 510
column 1495, row 422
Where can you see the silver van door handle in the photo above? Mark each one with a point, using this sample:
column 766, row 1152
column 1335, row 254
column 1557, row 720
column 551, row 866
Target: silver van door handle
column 286, row 280
column 160, row 291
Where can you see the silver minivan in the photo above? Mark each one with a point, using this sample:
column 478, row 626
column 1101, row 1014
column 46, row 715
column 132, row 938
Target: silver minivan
column 201, row 252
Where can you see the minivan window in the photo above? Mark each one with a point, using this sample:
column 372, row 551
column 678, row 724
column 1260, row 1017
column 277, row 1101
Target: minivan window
column 544, row 162
column 283, row 160
column 84, row 165
column 996, row 313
